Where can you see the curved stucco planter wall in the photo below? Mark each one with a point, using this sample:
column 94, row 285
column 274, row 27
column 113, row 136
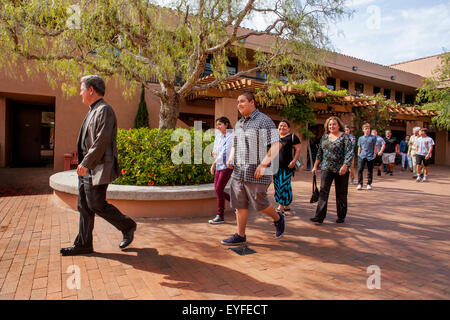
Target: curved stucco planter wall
column 142, row 201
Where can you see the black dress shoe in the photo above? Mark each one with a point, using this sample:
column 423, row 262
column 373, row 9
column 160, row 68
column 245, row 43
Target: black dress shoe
column 74, row 250
column 315, row 219
column 340, row 220
column 127, row 238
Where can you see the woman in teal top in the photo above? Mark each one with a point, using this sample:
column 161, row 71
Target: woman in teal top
column 335, row 155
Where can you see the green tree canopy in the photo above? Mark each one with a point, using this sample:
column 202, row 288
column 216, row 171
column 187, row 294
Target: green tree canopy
column 141, row 42
column 435, row 93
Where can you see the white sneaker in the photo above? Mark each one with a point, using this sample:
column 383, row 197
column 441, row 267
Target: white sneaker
column 418, row 178
column 359, row 187
column 369, row 187
column 424, row 179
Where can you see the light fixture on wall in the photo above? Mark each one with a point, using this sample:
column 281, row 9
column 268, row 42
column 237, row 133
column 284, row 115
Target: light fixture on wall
column 355, row 68
column 392, row 77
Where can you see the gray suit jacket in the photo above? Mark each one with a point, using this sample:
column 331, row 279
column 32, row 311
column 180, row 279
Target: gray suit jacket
column 99, row 137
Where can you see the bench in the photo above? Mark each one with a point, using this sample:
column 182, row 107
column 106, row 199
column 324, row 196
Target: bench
column 70, row 159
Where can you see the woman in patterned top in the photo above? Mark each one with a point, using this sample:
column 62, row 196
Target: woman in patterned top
column 335, row 155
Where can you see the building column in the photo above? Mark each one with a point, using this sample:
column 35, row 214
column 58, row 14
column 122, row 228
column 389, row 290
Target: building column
column 226, row 107
column 411, row 124
column 2, row 131
column 347, row 119
column 441, row 148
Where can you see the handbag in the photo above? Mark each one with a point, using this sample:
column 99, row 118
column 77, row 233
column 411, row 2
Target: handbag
column 315, row 191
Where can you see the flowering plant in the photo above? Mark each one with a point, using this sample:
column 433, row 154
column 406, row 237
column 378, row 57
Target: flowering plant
column 145, row 159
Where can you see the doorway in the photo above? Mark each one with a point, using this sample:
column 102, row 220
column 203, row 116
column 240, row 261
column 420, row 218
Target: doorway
column 33, row 135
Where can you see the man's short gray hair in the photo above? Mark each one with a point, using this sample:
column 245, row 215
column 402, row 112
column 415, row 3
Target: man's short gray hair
column 95, row 82
column 416, row 129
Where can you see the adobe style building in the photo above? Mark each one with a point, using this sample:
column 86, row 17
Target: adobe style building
column 39, row 124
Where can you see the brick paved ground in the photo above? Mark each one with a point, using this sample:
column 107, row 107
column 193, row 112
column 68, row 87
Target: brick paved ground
column 401, row 226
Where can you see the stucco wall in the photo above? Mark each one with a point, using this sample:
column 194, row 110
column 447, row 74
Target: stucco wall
column 423, row 67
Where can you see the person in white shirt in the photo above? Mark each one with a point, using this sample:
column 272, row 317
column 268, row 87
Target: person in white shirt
column 424, row 149
column 221, row 153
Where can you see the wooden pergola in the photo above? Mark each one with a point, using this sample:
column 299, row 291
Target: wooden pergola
column 232, row 88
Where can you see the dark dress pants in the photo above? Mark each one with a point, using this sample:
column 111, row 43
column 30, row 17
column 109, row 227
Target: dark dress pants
column 361, row 164
column 91, row 201
column 341, row 186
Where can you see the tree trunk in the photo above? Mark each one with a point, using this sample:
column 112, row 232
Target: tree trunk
column 169, row 111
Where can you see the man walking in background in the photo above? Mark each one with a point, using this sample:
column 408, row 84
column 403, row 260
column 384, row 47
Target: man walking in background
column 367, row 150
column 412, row 147
column 378, row 161
column 424, row 149
column 390, row 151
column 404, row 152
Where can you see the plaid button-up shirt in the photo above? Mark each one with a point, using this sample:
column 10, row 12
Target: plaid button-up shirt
column 253, row 137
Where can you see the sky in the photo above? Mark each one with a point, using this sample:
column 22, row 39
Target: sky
column 388, row 32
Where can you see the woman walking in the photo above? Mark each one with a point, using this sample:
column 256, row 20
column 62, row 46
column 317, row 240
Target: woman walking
column 282, row 179
column 335, row 155
column 221, row 153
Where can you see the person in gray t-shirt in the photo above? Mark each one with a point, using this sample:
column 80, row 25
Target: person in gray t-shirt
column 367, row 150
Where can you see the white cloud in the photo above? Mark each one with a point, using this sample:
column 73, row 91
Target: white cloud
column 404, row 34
column 359, row 3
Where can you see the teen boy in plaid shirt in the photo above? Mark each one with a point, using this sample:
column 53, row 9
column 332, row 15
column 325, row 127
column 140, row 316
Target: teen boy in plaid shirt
column 251, row 177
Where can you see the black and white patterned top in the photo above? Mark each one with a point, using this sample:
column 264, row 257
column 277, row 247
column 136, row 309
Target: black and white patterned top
column 333, row 154
column 253, row 137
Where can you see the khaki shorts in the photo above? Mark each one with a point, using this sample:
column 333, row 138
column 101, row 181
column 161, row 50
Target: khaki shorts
column 388, row 158
column 245, row 194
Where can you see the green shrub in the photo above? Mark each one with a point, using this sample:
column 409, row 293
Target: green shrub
column 145, row 159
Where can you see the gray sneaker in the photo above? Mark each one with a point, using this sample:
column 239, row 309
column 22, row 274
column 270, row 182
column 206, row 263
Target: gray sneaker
column 217, row 220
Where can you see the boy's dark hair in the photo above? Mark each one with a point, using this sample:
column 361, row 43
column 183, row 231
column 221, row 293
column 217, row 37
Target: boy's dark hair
column 249, row 95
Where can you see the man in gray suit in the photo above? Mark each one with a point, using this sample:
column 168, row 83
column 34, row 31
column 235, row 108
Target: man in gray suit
column 98, row 166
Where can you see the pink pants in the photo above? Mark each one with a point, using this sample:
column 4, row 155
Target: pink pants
column 220, row 181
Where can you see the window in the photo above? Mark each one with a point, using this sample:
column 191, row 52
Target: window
column 344, row 84
column 376, row 90
column 284, row 78
column 398, row 96
column 331, row 83
column 261, row 75
column 232, row 66
column 410, row 98
column 207, row 70
column 359, row 88
column 387, row 93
